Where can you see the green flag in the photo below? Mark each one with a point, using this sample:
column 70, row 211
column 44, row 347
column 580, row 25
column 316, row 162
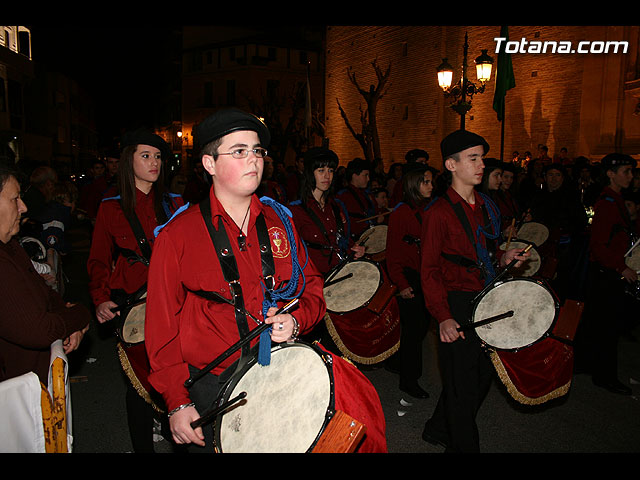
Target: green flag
column 504, row 76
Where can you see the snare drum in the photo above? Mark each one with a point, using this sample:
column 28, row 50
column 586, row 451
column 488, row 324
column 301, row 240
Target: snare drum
column 290, row 402
column 131, row 322
column 353, row 286
column 376, row 240
column 362, row 316
column 531, row 266
column 535, row 309
column 533, row 232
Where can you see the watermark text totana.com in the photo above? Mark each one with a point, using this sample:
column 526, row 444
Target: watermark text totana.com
column 550, row 46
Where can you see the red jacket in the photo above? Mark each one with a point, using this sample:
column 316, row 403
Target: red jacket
column 610, row 227
column 184, row 329
column 323, row 258
column 403, row 252
column 112, row 231
column 442, row 231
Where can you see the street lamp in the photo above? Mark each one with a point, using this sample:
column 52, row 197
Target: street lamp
column 463, row 91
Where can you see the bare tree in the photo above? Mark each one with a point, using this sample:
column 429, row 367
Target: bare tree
column 368, row 136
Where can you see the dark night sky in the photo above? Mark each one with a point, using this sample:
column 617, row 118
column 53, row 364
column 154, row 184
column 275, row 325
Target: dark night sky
column 124, row 68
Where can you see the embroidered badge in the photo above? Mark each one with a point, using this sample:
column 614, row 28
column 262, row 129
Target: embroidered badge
column 279, row 242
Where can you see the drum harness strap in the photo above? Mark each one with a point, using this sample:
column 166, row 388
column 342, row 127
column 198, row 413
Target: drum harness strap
column 340, row 236
column 484, row 262
column 369, row 211
column 231, row 275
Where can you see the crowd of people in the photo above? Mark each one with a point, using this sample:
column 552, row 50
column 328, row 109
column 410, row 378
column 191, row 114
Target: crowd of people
column 219, row 253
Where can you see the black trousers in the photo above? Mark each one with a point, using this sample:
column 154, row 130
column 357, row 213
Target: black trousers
column 467, row 374
column 204, row 394
column 603, row 319
column 414, row 323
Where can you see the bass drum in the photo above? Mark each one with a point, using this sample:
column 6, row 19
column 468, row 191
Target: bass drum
column 290, row 402
column 362, row 316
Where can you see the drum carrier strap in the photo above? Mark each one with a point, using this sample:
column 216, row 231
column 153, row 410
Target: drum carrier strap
column 484, row 262
column 340, row 236
column 231, row 275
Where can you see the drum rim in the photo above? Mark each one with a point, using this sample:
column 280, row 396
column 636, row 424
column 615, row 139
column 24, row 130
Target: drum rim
column 549, row 331
column 380, row 283
column 227, row 389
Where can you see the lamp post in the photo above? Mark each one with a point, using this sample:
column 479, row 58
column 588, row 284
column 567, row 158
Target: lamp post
column 463, row 91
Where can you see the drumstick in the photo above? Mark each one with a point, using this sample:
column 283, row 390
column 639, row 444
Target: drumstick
column 485, row 321
column 344, row 277
column 501, row 274
column 252, row 334
column 375, row 216
column 332, row 273
column 632, row 247
column 513, row 225
column 205, row 418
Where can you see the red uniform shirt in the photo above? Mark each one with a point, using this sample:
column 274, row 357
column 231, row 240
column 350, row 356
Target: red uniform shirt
column 400, row 253
column 359, row 205
column 184, row 329
column 609, row 242
column 325, row 258
column 112, row 230
column 443, row 232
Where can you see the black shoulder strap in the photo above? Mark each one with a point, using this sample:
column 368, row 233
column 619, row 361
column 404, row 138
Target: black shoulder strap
column 229, row 266
column 138, row 232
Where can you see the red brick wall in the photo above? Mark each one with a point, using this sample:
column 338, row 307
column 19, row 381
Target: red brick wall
column 544, row 108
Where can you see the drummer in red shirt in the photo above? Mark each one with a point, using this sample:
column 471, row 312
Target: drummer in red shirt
column 612, row 235
column 357, row 199
column 403, row 265
column 453, row 272
column 321, row 219
column 118, row 261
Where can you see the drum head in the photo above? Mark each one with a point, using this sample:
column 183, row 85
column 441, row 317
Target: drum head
column 353, row 292
column 534, row 312
column 287, row 406
column 376, row 239
column 133, row 326
column 533, row 232
column 531, row 266
column 633, row 260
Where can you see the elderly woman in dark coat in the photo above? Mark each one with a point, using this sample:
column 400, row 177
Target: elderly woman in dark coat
column 32, row 315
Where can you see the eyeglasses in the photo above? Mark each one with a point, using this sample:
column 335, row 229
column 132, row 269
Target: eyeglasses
column 244, row 152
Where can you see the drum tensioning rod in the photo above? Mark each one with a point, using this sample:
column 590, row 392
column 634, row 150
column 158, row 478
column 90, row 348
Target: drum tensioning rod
column 252, row 334
column 486, row 321
column 208, row 416
column 501, row 274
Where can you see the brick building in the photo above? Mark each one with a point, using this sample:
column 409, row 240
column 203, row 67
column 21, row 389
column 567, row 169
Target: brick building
column 586, row 102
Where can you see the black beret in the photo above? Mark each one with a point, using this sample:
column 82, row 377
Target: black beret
column 142, row 136
column 461, row 140
column 229, row 120
column 614, row 160
column 416, row 153
column 319, row 155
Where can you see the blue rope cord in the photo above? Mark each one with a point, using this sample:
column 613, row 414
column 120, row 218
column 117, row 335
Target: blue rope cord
column 287, row 292
column 483, row 254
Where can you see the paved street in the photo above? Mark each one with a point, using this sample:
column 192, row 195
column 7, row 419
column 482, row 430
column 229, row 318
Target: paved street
column 587, row 420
